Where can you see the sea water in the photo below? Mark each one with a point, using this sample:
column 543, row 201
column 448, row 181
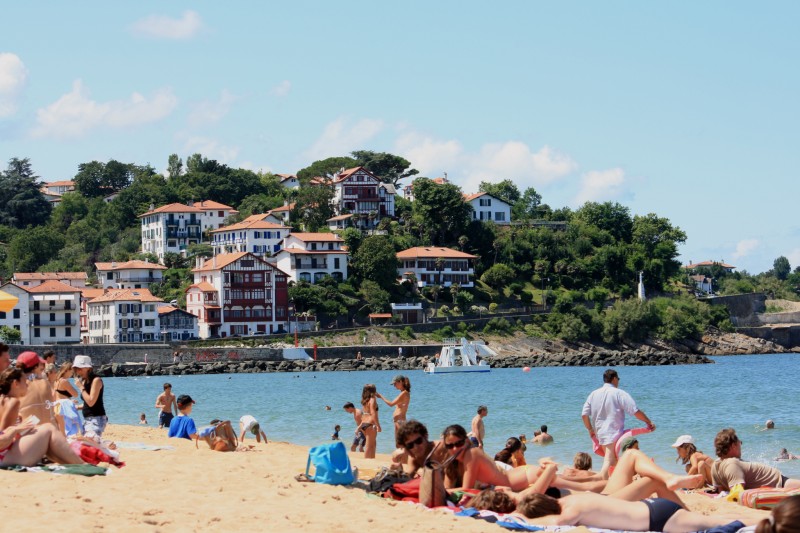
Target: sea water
column 741, row 392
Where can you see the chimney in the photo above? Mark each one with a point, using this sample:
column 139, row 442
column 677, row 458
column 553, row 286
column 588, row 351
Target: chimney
column 113, row 264
column 197, row 262
column 152, row 207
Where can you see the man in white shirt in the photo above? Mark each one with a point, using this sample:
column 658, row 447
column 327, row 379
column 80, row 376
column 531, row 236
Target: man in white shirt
column 604, row 416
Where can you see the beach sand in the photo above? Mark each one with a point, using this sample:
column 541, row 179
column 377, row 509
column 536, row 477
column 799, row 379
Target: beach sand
column 188, row 489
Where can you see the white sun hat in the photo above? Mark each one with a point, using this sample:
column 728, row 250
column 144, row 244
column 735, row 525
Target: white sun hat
column 683, row 439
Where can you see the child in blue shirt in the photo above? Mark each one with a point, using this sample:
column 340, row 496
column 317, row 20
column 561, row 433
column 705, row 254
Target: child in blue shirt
column 183, row 426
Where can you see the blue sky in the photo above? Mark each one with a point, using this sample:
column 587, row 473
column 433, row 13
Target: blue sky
column 686, row 109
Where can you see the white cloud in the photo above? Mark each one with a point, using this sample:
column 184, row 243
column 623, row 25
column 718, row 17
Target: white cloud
column 282, row 89
column 13, row 76
column 794, row 258
column 210, row 112
column 745, row 247
column 340, row 138
column 164, row 27
column 600, row 185
column 430, row 156
column 211, row 149
column 75, row 113
column 516, row 160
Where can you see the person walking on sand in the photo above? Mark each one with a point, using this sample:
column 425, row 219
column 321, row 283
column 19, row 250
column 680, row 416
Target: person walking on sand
column 478, row 430
column 400, row 403
column 165, row 403
column 360, row 439
column 603, row 416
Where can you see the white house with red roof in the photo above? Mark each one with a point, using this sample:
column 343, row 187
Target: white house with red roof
column 87, row 294
column 58, row 187
column 238, row 294
column 312, row 256
column 359, row 192
column 175, row 324
column 486, row 207
column 214, row 214
column 435, row 265
column 171, row 228
column 124, row 316
column 32, row 279
column 710, row 264
column 128, row 274
column 253, row 234
column 289, row 181
column 279, row 215
column 46, row 313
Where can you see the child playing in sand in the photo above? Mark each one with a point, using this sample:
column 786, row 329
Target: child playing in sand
column 183, row 426
column 247, row 424
column 336, row 430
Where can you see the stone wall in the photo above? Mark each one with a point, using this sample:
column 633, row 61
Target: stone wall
column 742, row 307
column 791, row 317
column 786, row 336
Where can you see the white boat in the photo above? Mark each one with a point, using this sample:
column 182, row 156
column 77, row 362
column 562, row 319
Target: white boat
column 461, row 355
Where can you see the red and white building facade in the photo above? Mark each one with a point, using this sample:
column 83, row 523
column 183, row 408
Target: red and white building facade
column 359, row 192
column 424, row 263
column 253, row 234
column 312, row 256
column 238, row 294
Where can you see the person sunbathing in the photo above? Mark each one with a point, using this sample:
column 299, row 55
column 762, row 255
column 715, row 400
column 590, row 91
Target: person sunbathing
column 23, row 442
column 694, row 461
column 594, row 510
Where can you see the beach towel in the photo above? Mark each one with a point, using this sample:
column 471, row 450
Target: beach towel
column 77, row 470
column 331, row 464
column 408, row 491
column 94, row 455
column 765, row 498
column 69, row 413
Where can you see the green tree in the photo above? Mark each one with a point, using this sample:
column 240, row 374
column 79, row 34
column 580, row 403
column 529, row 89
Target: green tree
column 505, row 190
column 613, row 218
column 387, row 167
column 313, row 206
column 22, row 204
column 174, row 166
column 781, row 268
column 96, row 179
column 440, row 210
column 10, row 335
column 375, row 260
column 498, row 276
column 528, row 205
column 325, row 168
column 32, row 248
column 375, row 296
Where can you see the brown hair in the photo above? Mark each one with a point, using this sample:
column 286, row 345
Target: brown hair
column 691, row 449
column 9, row 376
column 404, row 381
column 724, row 440
column 407, row 429
column 503, row 456
column 785, row 517
column 367, row 393
column 582, row 461
column 66, row 367
column 537, row 505
column 3, row 347
column 492, row 500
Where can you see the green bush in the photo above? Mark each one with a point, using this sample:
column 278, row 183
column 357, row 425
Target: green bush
column 492, row 307
column 499, row 326
column 629, row 320
column 516, row 288
column 498, row 275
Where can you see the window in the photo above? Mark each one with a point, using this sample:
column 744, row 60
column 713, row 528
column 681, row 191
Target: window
column 247, row 263
column 37, row 332
column 500, row 216
column 16, row 313
column 336, row 262
column 221, row 214
column 52, row 332
column 52, row 317
column 35, row 306
column 110, row 275
column 149, row 322
column 68, row 332
column 2, row 315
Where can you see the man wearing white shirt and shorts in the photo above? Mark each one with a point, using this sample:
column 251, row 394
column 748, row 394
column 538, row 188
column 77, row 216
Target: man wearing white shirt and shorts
column 249, row 424
column 604, row 416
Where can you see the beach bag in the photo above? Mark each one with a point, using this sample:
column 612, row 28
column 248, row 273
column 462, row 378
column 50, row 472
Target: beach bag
column 385, row 479
column 331, row 464
column 431, row 488
column 765, row 498
column 408, row 490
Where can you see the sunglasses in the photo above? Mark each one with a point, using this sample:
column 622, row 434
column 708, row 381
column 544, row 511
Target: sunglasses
column 416, row 442
column 452, row 445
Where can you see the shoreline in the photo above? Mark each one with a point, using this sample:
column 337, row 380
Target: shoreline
column 192, row 489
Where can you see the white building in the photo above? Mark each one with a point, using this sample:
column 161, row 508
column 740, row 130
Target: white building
column 124, row 316
column 45, row 314
column 58, row 187
column 340, row 222
column 238, row 294
column 214, row 214
column 289, row 181
column 279, row 215
column 171, row 228
column 129, row 275
column 312, row 256
column 486, row 207
column 432, row 265
column 176, row 324
column 253, row 235
column 359, row 192
column 33, row 279
column 86, row 296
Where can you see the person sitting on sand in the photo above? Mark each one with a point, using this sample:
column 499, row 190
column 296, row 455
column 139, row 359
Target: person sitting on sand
column 786, row 456
column 543, row 437
column 594, row 510
column 219, row 436
column 729, row 470
column 694, row 461
column 64, row 389
column 183, row 426
column 360, row 439
column 23, row 442
column 400, row 403
column 40, row 396
column 512, row 454
column 247, row 424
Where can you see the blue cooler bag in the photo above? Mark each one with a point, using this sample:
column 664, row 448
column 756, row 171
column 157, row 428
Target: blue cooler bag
column 331, row 464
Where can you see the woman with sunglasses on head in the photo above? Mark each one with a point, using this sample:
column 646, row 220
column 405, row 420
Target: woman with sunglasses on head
column 22, row 442
column 370, row 425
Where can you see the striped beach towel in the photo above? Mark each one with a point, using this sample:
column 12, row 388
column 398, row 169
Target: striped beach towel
column 765, row 498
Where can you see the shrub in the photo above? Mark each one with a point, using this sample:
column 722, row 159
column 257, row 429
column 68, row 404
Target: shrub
column 629, row 320
column 498, row 275
column 516, row 288
column 499, row 326
column 526, row 297
column 492, row 307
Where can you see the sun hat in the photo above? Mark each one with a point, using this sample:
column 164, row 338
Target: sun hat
column 82, row 361
column 629, row 441
column 683, row 439
column 30, row 359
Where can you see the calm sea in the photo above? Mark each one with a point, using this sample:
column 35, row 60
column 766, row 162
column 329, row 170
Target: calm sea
column 740, row 392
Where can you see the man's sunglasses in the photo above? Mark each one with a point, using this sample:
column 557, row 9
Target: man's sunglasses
column 416, row 442
column 452, row 445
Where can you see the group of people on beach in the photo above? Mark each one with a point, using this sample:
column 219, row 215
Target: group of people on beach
column 629, row 491
column 39, row 410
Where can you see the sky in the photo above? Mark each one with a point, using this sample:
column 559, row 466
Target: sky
column 690, row 110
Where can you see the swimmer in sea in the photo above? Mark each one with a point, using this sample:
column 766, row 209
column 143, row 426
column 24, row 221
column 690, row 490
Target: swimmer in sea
column 786, row 456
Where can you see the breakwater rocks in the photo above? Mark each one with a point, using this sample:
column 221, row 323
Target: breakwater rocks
column 640, row 357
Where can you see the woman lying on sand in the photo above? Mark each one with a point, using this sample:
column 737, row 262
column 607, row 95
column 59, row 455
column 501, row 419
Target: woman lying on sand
column 21, row 443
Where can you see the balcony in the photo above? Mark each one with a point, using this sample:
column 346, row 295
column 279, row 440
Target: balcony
column 182, row 234
column 51, row 323
column 319, row 265
column 145, row 279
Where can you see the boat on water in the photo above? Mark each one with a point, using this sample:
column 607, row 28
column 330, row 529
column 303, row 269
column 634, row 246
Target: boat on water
column 461, row 355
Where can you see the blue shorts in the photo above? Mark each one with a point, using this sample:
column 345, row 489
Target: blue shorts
column 360, row 439
column 95, row 424
column 164, row 419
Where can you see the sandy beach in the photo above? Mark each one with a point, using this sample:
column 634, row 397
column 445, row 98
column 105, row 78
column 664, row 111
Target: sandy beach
column 188, row 489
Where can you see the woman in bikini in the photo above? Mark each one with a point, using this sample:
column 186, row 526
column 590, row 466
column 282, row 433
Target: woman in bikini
column 694, row 461
column 22, row 442
column 64, row 389
column 400, row 403
column 370, row 425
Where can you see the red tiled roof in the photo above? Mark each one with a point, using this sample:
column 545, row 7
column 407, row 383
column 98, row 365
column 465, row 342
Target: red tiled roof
column 251, row 224
column 91, row 294
column 220, row 261
column 166, row 309
column 709, row 264
column 130, row 265
column 433, row 252
column 135, row 295
column 350, row 171
column 173, row 208
column 210, row 205
column 52, row 286
column 281, row 209
column 285, row 177
column 380, row 315
column 309, row 237
column 304, row 251
column 42, row 276
column 203, row 286
column 65, row 183
column 470, row 197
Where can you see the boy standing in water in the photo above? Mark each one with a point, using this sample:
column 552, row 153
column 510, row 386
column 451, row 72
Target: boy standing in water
column 165, row 402
column 478, row 430
column 360, row 440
